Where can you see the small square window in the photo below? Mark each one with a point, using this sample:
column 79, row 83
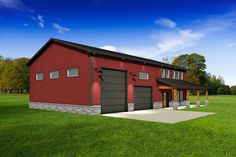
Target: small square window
column 173, row 74
column 163, row 73
column 54, row 74
column 39, row 76
column 167, row 73
column 143, row 76
column 74, row 72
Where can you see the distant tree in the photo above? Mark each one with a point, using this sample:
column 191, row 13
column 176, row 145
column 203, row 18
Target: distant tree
column 227, row 90
column 1, row 71
column 21, row 74
column 195, row 63
column 233, row 90
column 214, row 83
column 7, row 75
column 224, row 90
column 14, row 74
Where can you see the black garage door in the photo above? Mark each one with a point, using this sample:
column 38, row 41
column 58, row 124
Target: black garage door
column 113, row 91
column 142, row 98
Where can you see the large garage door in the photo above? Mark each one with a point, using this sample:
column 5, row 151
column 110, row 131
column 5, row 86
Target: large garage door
column 142, row 98
column 113, row 91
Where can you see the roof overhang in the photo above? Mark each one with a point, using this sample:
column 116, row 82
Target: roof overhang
column 179, row 84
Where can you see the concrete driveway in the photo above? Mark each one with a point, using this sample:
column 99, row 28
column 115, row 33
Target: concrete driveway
column 160, row 115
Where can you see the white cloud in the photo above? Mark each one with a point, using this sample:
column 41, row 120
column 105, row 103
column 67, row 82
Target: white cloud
column 178, row 39
column 12, row 4
column 109, row 47
column 173, row 41
column 181, row 39
column 164, row 42
column 166, row 22
column 39, row 20
column 26, row 24
column 230, row 45
column 216, row 23
column 60, row 29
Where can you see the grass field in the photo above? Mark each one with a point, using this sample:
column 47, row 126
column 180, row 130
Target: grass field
column 27, row 132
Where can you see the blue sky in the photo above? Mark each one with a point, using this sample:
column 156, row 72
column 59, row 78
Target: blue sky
column 148, row 28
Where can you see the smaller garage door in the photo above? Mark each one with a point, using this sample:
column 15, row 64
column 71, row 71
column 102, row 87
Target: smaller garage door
column 142, row 98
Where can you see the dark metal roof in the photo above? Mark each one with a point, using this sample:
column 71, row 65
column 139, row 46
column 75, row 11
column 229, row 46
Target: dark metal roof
column 181, row 84
column 94, row 51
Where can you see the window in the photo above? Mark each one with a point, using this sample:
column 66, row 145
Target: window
column 163, row 73
column 173, row 74
column 143, row 76
column 167, row 73
column 39, row 76
column 177, row 75
column 74, row 72
column 54, row 74
column 181, row 75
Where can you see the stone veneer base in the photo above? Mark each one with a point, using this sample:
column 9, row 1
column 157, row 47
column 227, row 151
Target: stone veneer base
column 157, row 105
column 130, row 107
column 174, row 104
column 198, row 102
column 187, row 103
column 79, row 109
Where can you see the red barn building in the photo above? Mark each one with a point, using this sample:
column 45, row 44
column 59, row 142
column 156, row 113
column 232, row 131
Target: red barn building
column 71, row 77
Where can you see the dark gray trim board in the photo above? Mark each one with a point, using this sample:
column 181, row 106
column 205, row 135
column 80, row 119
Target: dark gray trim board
column 91, row 78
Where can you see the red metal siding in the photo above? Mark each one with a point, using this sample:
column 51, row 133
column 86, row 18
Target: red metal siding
column 63, row 90
column 130, row 67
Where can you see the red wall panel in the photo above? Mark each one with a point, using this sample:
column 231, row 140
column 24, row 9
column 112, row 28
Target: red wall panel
column 63, row 90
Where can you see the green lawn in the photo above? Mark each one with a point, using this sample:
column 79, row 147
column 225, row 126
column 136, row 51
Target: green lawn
column 27, row 132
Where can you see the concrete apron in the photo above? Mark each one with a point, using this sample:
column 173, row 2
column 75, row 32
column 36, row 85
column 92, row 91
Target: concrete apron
column 160, row 115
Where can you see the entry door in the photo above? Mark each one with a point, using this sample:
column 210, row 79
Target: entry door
column 165, row 99
column 113, row 92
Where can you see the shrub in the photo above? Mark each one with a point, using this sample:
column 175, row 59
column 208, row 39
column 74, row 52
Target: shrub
column 233, row 90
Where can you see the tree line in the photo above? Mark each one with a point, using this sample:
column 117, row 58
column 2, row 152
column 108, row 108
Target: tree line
column 14, row 75
column 196, row 65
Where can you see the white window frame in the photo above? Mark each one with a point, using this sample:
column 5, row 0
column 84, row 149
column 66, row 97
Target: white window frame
column 68, row 72
column 167, row 73
column 37, row 76
column 177, row 75
column 181, row 75
column 173, row 74
column 141, row 74
column 163, row 73
column 51, row 74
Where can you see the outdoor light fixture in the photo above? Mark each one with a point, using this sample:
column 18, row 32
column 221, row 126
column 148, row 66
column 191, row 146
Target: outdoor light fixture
column 98, row 71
